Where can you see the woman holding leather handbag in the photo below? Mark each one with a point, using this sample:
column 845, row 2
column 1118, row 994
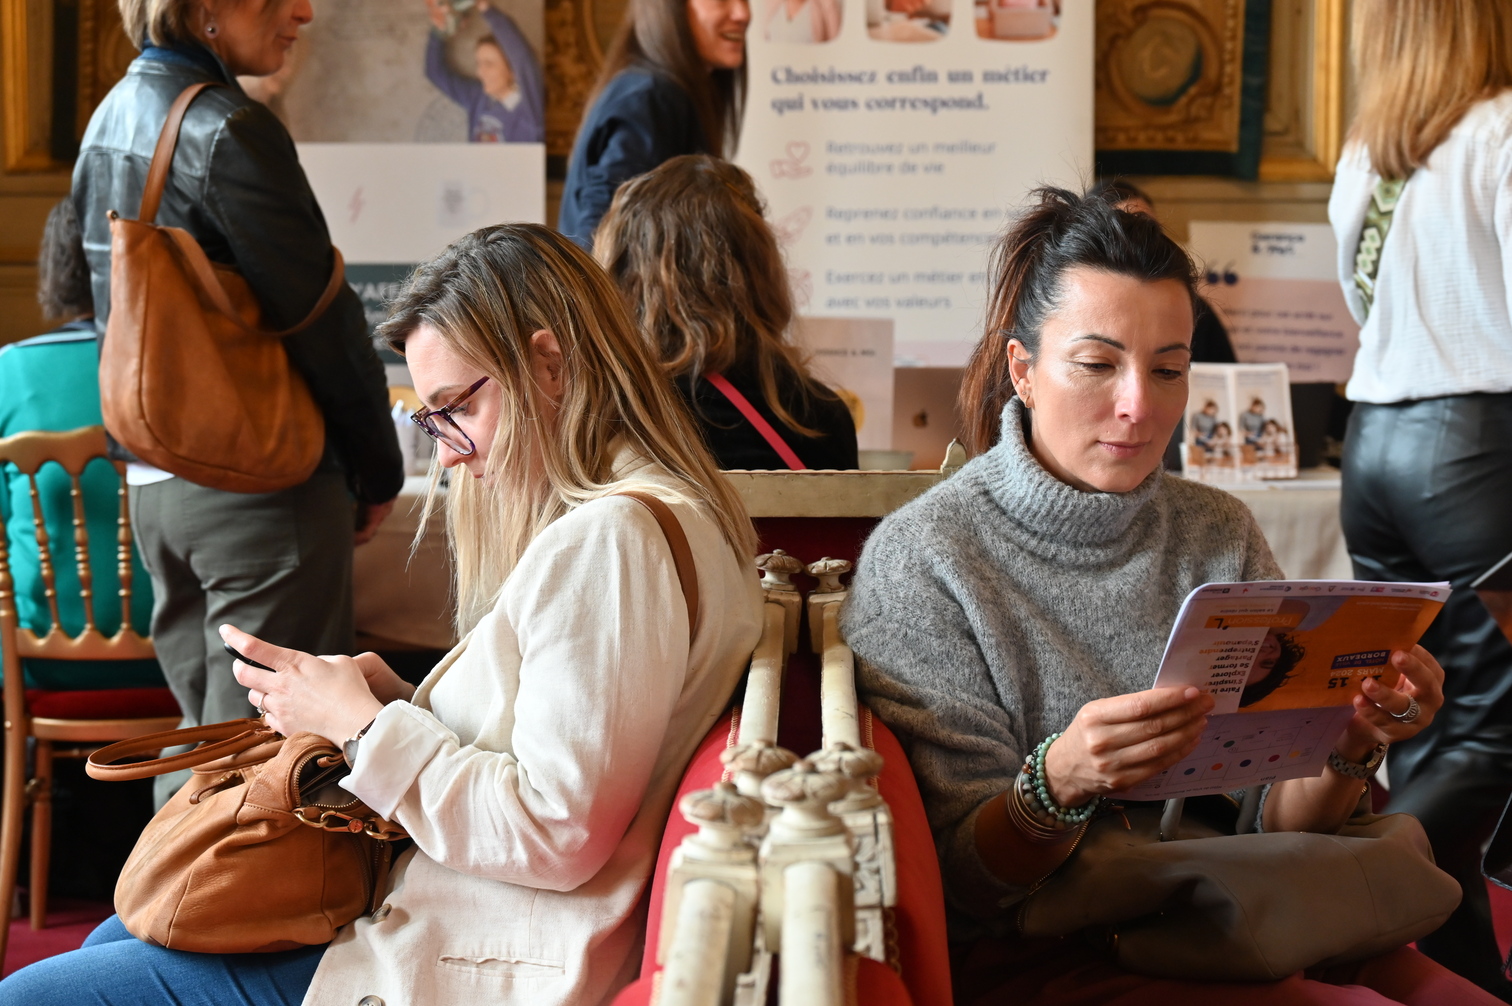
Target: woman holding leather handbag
column 602, row 636
column 1423, row 217
column 689, row 244
column 273, row 555
column 1009, row 622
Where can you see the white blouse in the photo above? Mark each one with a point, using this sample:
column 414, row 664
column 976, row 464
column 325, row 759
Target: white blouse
column 536, row 765
column 1441, row 323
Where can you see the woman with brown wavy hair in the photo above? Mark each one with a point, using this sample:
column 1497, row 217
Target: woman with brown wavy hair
column 690, row 246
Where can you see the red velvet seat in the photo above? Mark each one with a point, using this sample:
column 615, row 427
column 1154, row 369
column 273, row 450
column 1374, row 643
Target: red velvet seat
column 101, row 704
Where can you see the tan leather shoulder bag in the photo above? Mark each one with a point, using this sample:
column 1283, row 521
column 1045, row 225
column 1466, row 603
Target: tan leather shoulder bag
column 190, row 381
column 261, row 850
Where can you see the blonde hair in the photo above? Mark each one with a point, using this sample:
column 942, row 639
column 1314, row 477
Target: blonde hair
column 157, row 21
column 690, row 247
column 485, row 296
column 1421, row 65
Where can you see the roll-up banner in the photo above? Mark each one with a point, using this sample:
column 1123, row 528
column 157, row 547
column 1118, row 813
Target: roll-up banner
column 894, row 138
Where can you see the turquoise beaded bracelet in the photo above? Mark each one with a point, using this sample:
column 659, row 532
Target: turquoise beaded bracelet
column 1039, row 790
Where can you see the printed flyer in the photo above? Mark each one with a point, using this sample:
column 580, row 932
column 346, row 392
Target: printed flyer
column 1283, row 661
column 892, row 139
column 1239, row 423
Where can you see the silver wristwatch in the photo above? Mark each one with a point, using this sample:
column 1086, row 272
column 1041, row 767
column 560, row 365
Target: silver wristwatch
column 349, row 748
column 1353, row 770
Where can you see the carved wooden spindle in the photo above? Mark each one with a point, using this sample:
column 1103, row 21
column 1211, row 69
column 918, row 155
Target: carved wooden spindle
column 123, row 551
column 7, row 585
column 44, row 555
column 81, row 552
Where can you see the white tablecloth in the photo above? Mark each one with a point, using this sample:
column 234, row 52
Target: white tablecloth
column 1300, row 518
column 402, row 599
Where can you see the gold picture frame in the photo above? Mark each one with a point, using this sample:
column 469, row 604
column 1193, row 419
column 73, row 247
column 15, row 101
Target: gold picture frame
column 1305, row 101
column 28, row 94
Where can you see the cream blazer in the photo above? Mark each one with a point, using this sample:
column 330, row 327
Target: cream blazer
column 536, row 766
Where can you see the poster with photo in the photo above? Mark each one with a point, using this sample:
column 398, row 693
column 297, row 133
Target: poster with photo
column 893, row 147
column 1276, row 287
column 417, row 121
column 1239, row 423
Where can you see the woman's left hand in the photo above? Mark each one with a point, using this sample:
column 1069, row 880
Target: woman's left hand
column 328, row 696
column 1378, row 706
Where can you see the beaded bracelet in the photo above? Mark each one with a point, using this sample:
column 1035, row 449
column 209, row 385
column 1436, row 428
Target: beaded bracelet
column 1039, row 790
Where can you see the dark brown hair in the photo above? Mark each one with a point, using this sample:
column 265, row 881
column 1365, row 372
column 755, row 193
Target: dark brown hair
column 1060, row 230
column 689, row 246
column 63, row 287
column 655, row 34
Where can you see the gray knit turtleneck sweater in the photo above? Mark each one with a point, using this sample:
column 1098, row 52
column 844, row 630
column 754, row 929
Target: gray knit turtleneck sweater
column 992, row 608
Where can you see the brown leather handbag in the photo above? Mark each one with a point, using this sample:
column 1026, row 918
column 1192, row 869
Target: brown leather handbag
column 259, row 851
column 190, row 381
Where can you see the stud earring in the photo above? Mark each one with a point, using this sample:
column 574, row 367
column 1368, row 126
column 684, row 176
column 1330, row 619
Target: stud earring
column 211, row 30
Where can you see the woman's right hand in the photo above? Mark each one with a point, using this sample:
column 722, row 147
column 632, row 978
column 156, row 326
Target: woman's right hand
column 385, row 685
column 437, row 14
column 1114, row 744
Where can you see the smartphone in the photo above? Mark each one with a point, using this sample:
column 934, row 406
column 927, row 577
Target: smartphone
column 247, row 660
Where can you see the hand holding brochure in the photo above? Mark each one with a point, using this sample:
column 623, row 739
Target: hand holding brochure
column 1283, row 661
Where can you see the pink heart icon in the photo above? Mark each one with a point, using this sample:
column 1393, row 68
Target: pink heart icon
column 798, row 150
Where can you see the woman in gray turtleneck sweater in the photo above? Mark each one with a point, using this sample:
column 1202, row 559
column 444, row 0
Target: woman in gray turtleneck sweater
column 1029, row 598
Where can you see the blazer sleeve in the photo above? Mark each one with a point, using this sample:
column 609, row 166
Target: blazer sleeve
column 635, row 130
column 257, row 196
column 603, row 640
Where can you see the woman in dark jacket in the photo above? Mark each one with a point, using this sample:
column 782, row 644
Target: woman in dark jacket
column 673, row 83
column 280, row 561
column 688, row 244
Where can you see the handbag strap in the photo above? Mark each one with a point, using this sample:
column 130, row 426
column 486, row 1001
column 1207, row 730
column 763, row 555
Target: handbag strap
column 215, row 740
column 1378, row 216
column 756, row 419
column 189, row 249
column 682, row 554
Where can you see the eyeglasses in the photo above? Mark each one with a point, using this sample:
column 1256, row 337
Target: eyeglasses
column 448, row 433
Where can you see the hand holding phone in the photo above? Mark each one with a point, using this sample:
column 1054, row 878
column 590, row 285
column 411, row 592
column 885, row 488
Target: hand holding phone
column 248, row 660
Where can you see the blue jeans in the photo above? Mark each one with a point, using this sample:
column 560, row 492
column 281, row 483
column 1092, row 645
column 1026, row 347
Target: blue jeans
column 114, row 968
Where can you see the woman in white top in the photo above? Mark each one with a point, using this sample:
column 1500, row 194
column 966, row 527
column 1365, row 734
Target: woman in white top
column 1428, row 457
column 535, row 767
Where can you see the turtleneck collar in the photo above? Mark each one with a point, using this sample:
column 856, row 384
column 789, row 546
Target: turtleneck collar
column 1046, row 507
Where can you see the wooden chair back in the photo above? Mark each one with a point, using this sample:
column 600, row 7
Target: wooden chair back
column 72, row 451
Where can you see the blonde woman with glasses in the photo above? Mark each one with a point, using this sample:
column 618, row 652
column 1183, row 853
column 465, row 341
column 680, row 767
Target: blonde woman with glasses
column 1423, row 213
column 535, row 767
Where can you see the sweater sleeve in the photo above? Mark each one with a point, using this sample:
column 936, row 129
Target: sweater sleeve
column 257, row 197
column 597, row 613
column 922, row 672
column 463, row 90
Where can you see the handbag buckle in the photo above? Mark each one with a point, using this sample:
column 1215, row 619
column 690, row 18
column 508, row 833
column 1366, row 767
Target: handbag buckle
column 330, row 820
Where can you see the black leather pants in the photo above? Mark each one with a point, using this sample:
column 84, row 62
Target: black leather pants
column 1428, row 496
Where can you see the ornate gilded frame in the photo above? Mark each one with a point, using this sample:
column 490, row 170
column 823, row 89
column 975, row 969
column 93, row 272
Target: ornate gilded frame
column 1306, row 102
column 26, row 86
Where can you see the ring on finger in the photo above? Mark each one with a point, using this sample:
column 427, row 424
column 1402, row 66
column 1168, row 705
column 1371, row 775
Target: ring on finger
column 1412, row 712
